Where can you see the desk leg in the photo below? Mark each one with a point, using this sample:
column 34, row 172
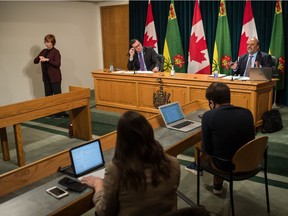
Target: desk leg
column 19, row 144
column 81, row 120
column 4, row 144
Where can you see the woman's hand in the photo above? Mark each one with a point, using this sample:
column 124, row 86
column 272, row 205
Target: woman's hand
column 93, row 181
column 43, row 59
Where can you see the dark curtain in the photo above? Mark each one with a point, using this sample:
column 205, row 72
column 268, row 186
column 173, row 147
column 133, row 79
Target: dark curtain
column 263, row 12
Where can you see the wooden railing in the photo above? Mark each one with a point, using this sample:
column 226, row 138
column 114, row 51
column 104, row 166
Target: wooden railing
column 77, row 102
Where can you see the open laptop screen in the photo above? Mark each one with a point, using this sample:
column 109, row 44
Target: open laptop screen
column 87, row 157
column 171, row 112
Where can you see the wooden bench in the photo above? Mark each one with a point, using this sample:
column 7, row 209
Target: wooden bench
column 76, row 101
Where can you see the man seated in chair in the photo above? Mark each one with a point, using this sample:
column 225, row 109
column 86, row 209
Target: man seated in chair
column 142, row 58
column 225, row 128
column 253, row 58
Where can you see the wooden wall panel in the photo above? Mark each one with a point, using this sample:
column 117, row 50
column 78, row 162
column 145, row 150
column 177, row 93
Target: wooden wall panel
column 115, row 35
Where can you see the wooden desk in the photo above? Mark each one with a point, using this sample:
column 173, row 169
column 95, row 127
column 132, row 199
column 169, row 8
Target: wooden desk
column 122, row 92
column 39, row 175
column 77, row 101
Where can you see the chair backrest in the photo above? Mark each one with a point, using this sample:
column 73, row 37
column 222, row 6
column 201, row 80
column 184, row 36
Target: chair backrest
column 161, row 59
column 250, row 156
column 275, row 63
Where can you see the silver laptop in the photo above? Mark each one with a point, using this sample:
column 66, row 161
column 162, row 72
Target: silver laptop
column 174, row 118
column 86, row 159
column 261, row 74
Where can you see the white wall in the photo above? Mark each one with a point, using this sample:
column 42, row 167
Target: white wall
column 23, row 25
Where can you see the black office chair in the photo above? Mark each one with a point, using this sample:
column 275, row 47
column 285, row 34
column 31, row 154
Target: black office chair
column 246, row 163
column 161, row 59
column 275, row 74
column 275, row 63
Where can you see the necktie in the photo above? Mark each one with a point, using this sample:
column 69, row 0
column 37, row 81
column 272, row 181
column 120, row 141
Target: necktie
column 249, row 66
column 142, row 65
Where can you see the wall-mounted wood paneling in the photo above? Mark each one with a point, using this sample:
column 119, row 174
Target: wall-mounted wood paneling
column 115, row 35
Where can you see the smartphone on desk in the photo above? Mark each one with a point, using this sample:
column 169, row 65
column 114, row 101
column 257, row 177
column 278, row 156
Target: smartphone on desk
column 72, row 184
column 57, row 192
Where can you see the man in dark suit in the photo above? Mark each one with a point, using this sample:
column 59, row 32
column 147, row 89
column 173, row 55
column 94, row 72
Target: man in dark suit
column 142, row 58
column 258, row 59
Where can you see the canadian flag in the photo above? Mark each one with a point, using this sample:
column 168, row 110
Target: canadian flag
column 150, row 36
column 248, row 29
column 198, row 58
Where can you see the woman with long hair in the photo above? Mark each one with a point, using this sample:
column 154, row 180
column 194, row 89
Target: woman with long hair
column 141, row 179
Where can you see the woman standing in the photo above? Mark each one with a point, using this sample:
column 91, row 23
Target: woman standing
column 141, row 179
column 50, row 59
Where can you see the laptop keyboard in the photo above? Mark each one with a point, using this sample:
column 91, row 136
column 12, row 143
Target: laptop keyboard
column 183, row 124
column 98, row 173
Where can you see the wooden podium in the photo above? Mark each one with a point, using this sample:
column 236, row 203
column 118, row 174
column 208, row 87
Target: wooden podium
column 122, row 91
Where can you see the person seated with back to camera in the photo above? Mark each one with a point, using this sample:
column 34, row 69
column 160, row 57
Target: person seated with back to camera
column 258, row 58
column 148, row 55
column 141, row 179
column 225, row 129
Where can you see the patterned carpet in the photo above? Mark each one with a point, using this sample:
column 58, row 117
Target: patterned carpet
column 98, row 129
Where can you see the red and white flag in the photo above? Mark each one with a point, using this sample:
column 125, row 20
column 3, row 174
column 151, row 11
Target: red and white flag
column 150, row 36
column 248, row 29
column 198, row 58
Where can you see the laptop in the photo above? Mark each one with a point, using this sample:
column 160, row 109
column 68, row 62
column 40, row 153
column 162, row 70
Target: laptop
column 85, row 159
column 261, row 74
column 174, row 118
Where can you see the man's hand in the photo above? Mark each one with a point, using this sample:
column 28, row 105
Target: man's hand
column 233, row 65
column 257, row 65
column 155, row 69
column 131, row 52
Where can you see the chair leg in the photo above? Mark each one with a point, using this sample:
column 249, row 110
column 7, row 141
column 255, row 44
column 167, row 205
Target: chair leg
column 267, row 193
column 266, row 183
column 231, row 197
column 198, row 177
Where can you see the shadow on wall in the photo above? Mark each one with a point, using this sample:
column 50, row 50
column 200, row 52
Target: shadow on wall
column 34, row 73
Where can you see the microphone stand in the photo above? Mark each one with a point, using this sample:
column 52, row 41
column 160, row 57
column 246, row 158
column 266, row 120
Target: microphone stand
column 232, row 79
column 134, row 64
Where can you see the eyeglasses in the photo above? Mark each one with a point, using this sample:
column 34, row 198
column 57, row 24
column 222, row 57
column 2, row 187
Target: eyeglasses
column 137, row 46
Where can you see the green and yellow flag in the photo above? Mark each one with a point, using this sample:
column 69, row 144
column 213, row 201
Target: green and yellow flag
column 277, row 43
column 222, row 46
column 173, row 50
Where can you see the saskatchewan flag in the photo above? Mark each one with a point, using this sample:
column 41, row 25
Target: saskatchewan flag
column 173, row 50
column 277, row 43
column 222, row 46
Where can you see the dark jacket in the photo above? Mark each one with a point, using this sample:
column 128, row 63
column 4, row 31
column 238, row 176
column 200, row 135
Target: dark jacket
column 264, row 60
column 150, row 59
column 53, row 65
column 226, row 129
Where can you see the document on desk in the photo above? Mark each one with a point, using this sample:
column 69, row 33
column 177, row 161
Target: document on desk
column 132, row 72
column 123, row 72
column 219, row 75
column 230, row 77
column 243, row 78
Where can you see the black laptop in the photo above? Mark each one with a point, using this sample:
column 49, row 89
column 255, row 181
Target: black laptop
column 86, row 159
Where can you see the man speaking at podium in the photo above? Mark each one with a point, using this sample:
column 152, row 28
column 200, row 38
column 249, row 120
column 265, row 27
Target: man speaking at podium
column 142, row 58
